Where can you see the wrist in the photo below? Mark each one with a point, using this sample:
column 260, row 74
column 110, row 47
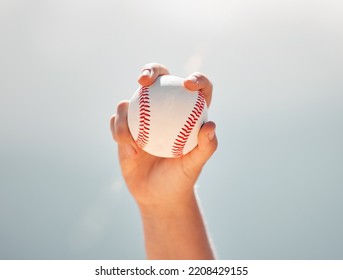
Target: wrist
column 171, row 205
column 174, row 229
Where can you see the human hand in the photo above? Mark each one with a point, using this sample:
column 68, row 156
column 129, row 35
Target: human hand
column 153, row 180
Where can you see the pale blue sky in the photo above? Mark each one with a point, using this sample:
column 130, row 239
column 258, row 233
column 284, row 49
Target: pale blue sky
column 273, row 190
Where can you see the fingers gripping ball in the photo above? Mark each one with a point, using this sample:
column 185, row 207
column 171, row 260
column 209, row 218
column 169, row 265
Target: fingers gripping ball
column 164, row 119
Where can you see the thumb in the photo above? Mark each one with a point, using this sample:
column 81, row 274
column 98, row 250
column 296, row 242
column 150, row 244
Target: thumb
column 207, row 144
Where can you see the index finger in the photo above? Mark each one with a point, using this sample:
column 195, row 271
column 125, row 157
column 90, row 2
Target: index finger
column 151, row 72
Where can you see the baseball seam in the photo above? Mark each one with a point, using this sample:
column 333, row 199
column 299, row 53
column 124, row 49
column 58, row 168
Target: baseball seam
column 144, row 117
column 182, row 137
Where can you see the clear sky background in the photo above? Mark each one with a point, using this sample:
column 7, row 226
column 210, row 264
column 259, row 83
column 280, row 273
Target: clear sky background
column 274, row 188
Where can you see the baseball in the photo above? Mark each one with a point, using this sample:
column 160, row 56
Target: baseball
column 164, row 118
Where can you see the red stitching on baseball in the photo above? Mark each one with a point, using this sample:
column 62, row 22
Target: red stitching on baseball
column 144, row 117
column 182, row 137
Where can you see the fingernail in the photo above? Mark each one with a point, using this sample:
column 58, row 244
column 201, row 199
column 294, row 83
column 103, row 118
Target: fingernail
column 193, row 79
column 129, row 150
column 211, row 135
column 146, row 72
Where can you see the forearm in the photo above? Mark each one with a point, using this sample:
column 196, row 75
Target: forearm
column 175, row 230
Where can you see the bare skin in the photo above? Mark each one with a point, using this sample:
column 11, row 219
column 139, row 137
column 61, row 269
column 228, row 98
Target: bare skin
column 163, row 187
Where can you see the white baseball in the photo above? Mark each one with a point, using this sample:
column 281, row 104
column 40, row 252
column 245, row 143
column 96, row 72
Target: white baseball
column 164, row 119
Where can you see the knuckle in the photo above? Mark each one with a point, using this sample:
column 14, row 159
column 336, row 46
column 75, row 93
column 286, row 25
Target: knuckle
column 203, row 79
column 120, row 125
column 122, row 106
column 156, row 68
column 198, row 74
column 151, row 66
column 120, row 129
column 121, row 132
